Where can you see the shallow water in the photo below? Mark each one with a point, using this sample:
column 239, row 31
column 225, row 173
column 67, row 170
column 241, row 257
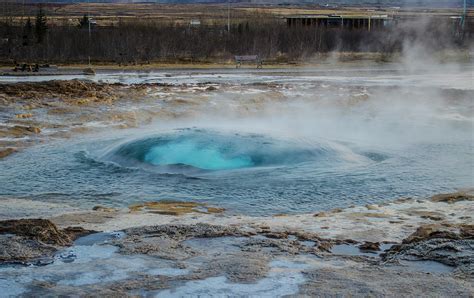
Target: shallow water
column 316, row 140
column 90, row 261
column 283, row 279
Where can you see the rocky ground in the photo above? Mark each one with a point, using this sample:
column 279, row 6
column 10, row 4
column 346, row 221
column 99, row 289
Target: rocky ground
column 32, row 112
column 405, row 247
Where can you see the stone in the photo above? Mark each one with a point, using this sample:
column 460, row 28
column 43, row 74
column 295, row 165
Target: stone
column 24, row 116
column 452, row 198
column 320, row 214
column 103, row 209
column 370, row 246
column 371, row 207
column 38, row 229
column 26, row 240
column 6, row 152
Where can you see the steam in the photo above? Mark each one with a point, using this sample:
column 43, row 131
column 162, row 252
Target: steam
column 406, row 105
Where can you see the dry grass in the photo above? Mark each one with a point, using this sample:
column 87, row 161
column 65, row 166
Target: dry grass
column 107, row 14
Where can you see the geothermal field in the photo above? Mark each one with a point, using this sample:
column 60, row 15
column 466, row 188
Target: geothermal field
column 338, row 179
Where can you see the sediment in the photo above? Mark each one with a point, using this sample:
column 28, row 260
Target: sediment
column 243, row 249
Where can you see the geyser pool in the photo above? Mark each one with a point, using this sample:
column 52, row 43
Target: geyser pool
column 212, row 151
column 248, row 173
column 359, row 136
column 193, row 154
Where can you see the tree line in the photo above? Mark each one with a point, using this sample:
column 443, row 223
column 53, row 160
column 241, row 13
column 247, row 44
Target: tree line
column 149, row 41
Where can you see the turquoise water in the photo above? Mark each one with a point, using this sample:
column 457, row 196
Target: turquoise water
column 205, row 151
column 191, row 153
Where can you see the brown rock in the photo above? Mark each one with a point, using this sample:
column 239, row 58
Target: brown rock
column 7, row 151
column 325, row 246
column 277, row 235
column 452, row 198
column 466, row 231
column 38, row 229
column 77, row 232
column 25, row 240
column 371, row 207
column 103, row 209
column 23, row 116
column 426, row 232
column 370, row 246
column 320, row 214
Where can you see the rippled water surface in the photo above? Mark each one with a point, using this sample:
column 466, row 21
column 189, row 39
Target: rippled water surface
column 266, row 143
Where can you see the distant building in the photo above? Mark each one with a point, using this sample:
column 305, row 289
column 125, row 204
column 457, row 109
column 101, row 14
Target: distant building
column 336, row 21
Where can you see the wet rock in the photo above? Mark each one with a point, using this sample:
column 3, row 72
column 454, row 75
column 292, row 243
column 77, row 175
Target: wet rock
column 15, row 249
column 41, row 230
column 370, row 246
column 77, row 232
column 427, row 232
column 325, row 246
column 18, row 131
column 81, row 218
column 452, row 198
column 129, row 287
column 277, row 235
column 452, row 246
column 356, row 215
column 273, row 246
column 159, row 246
column 320, row 214
column 239, row 267
column 372, row 207
column 23, row 116
column 403, row 200
column 6, row 152
column 103, row 209
column 165, row 241
column 24, row 240
column 183, row 232
column 354, row 279
column 284, row 245
column 431, row 215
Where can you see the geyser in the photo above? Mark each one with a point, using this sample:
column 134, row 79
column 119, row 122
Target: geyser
column 209, row 150
column 196, row 154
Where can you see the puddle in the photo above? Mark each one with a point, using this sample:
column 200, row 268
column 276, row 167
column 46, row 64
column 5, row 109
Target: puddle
column 169, row 271
column 283, row 279
column 308, row 243
column 98, row 238
column 90, row 261
column 418, row 266
column 427, row 266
